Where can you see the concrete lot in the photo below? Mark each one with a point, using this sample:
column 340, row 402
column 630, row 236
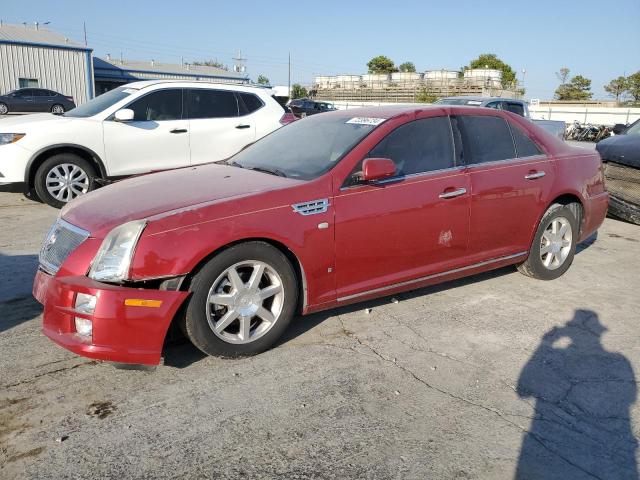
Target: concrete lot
column 471, row 379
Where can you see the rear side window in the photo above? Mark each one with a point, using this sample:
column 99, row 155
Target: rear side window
column 249, row 103
column 203, row 103
column 485, row 138
column 160, row 105
column 419, row 146
column 525, row 147
column 517, row 108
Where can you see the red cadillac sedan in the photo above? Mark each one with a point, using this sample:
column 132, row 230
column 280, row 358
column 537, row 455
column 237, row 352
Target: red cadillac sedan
column 333, row 209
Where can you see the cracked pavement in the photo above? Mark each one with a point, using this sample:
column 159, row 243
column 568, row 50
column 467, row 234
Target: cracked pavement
column 493, row 376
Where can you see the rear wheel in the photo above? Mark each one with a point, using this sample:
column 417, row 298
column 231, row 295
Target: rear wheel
column 554, row 244
column 57, row 109
column 3, row 108
column 242, row 301
column 62, row 178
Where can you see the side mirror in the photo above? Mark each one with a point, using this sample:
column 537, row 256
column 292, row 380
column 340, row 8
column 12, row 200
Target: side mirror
column 377, row 169
column 124, row 115
column 618, row 128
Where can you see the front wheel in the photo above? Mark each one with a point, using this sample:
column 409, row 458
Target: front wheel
column 62, row 178
column 242, row 301
column 554, row 244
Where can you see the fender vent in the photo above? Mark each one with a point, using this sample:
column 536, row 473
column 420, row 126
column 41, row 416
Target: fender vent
column 311, row 208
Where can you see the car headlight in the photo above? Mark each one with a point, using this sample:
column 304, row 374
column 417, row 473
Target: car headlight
column 112, row 262
column 7, row 138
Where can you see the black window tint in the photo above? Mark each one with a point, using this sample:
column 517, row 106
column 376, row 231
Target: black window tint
column 251, row 102
column 486, row 139
column 158, row 106
column 496, row 105
column 40, row 93
column 212, row 104
column 524, row 145
column 50, row 93
column 419, row 146
column 515, row 108
column 27, row 92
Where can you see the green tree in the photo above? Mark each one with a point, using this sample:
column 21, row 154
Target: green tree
column 407, row 67
column 491, row 60
column 633, row 86
column 211, row 63
column 617, row 87
column 298, row 91
column 262, row 80
column 381, row 64
column 579, row 88
column 426, row 96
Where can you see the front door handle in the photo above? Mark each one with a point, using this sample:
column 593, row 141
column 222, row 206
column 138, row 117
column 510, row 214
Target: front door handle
column 178, row 130
column 453, row 193
column 534, row 175
column 243, row 126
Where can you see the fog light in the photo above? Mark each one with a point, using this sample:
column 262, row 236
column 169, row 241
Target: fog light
column 84, row 327
column 85, row 303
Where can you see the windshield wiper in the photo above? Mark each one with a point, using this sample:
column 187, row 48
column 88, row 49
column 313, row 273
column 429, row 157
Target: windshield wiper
column 270, row 171
column 231, row 163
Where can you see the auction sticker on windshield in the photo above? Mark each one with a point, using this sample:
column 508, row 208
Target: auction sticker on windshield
column 366, row 120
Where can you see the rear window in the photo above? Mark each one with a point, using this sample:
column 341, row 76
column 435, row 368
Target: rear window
column 525, row 147
column 517, row 108
column 203, row 103
column 486, row 138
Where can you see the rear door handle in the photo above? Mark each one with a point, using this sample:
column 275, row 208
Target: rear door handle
column 534, row 175
column 178, row 130
column 243, row 126
column 453, row 193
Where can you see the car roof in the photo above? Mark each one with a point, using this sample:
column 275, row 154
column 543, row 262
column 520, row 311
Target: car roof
column 245, row 87
column 479, row 98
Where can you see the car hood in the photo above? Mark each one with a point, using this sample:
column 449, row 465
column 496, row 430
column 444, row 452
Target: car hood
column 27, row 123
column 164, row 192
column 624, row 149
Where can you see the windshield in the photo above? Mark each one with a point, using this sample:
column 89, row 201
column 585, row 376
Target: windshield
column 307, row 148
column 100, row 103
column 634, row 129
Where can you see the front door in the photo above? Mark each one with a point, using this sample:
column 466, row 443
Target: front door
column 23, row 101
column 511, row 179
column 217, row 130
column 156, row 139
column 409, row 226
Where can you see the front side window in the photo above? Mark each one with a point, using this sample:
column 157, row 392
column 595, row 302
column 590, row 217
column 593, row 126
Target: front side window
column 525, row 147
column 25, row 93
column 419, row 146
column 161, row 105
column 485, row 138
column 203, row 103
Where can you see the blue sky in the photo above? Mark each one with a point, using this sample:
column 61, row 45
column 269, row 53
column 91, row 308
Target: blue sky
column 600, row 40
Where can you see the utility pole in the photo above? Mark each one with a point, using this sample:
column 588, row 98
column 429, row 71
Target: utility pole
column 289, row 81
column 84, row 27
column 240, row 67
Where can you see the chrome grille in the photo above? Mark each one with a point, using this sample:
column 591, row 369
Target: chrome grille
column 62, row 239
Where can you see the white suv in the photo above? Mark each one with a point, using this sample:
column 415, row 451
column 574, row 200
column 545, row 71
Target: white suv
column 137, row 128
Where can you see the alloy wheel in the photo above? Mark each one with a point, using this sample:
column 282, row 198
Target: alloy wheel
column 57, row 109
column 555, row 244
column 67, row 181
column 3, row 109
column 245, row 302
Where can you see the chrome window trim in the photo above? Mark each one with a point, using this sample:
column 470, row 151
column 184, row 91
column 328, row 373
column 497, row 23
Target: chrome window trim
column 497, row 162
column 429, row 277
column 404, row 177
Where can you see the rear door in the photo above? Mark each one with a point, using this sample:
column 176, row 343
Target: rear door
column 509, row 186
column 218, row 131
column 409, row 226
column 42, row 100
column 156, row 139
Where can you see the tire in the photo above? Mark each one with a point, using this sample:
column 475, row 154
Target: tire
column 4, row 109
column 55, row 168
column 57, row 109
column 550, row 255
column 238, row 305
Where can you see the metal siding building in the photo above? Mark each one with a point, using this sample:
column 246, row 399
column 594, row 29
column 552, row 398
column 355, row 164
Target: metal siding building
column 111, row 73
column 37, row 57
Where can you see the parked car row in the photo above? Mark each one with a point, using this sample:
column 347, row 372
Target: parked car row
column 303, row 107
column 35, row 100
column 332, row 209
column 137, row 128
